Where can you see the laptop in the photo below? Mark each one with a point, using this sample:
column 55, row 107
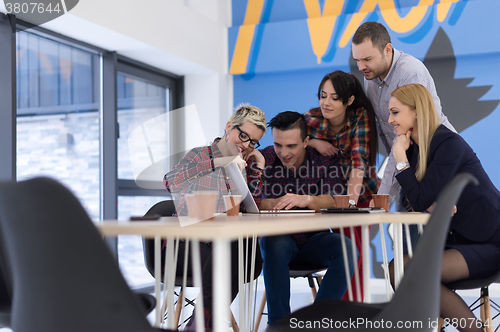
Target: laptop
column 353, row 210
column 246, row 197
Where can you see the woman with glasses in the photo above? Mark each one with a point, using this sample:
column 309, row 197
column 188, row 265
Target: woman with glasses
column 202, row 169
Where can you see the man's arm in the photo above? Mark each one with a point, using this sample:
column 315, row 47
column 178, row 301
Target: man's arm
column 390, row 186
column 304, row 201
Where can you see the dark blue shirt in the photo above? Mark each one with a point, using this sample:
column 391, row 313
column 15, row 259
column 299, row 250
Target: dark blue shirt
column 478, row 209
column 318, row 175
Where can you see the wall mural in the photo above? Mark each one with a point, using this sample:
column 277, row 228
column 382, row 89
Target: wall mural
column 280, row 49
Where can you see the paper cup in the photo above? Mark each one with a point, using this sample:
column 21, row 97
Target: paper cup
column 206, row 202
column 192, row 206
column 232, row 203
column 342, row 201
column 381, row 201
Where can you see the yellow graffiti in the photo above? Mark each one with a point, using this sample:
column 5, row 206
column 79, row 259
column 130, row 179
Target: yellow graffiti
column 245, row 37
column 442, row 9
column 321, row 25
column 390, row 15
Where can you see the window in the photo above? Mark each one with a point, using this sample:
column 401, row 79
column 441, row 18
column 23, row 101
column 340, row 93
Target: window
column 62, row 122
column 144, row 102
column 58, row 115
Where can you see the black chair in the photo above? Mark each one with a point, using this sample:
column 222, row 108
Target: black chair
column 416, row 299
column 309, row 271
column 65, row 277
column 485, row 303
column 165, row 209
column 5, row 294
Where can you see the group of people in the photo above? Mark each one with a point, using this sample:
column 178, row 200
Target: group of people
column 331, row 150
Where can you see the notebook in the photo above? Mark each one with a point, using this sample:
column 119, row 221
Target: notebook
column 247, row 199
column 353, row 210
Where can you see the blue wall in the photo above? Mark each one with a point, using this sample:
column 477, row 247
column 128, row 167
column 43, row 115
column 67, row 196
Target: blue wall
column 281, row 70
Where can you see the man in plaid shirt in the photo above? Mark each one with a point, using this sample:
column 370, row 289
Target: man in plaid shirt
column 298, row 176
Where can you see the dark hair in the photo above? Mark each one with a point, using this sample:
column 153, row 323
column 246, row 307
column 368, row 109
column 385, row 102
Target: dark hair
column 347, row 85
column 289, row 120
column 375, row 31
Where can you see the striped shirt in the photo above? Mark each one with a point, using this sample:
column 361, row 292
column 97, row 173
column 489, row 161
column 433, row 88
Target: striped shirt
column 353, row 142
column 405, row 69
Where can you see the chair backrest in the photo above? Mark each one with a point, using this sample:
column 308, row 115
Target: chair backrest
column 417, row 298
column 64, row 276
column 164, row 209
column 5, row 293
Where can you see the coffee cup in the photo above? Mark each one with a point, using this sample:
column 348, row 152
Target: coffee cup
column 341, row 201
column 232, row 203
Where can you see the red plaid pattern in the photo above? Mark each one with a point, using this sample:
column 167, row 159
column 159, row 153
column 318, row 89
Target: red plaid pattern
column 196, row 172
column 353, row 144
column 317, row 176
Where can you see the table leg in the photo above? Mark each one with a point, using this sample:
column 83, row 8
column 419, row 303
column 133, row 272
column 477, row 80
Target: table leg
column 398, row 254
column 196, row 261
column 408, row 241
column 356, row 269
column 346, row 264
column 158, row 280
column 170, row 276
column 365, row 247
column 250, row 283
column 222, row 283
column 241, row 283
column 385, row 262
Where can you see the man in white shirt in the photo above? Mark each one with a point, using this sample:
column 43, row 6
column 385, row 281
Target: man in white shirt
column 385, row 69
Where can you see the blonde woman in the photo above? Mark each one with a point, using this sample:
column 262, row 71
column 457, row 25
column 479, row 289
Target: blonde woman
column 428, row 156
column 202, row 168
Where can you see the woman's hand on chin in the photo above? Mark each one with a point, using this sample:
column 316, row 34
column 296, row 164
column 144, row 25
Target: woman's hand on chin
column 255, row 154
column 401, row 144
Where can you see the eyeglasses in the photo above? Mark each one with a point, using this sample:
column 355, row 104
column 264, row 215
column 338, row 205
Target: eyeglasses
column 245, row 138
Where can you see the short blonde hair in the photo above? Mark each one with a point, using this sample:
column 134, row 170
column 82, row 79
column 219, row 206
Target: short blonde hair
column 419, row 99
column 247, row 113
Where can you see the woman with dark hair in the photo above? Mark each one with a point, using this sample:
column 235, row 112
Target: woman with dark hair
column 344, row 125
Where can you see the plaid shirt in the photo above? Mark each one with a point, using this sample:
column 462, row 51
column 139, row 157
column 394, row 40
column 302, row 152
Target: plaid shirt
column 318, row 175
column 196, row 172
column 353, row 144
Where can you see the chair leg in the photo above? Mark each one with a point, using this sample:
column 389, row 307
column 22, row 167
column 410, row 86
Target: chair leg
column 486, row 310
column 319, row 279
column 261, row 312
column 314, row 292
column 178, row 307
column 440, row 324
column 233, row 323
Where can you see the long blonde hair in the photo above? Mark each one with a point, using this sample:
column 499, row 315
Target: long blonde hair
column 419, row 99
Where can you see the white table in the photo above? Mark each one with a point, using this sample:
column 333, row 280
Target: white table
column 222, row 230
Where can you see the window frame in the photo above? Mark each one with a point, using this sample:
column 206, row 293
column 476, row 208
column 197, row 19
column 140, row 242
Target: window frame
column 110, row 64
